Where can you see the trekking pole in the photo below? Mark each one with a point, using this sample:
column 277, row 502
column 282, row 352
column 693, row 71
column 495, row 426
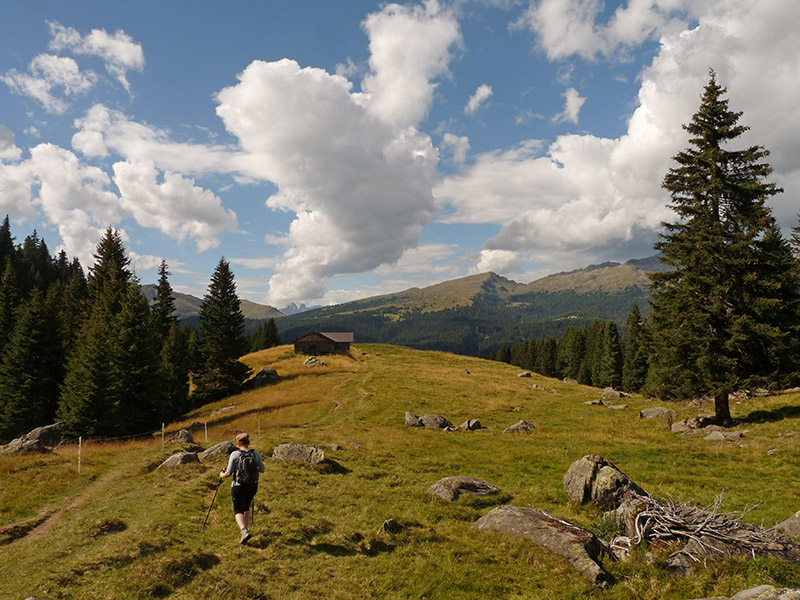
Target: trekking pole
column 212, row 504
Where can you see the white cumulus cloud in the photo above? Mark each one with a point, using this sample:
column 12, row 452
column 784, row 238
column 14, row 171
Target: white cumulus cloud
column 175, row 206
column 481, row 95
column 572, row 106
column 119, row 52
column 47, row 72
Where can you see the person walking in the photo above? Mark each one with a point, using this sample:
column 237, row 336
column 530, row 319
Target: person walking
column 244, row 465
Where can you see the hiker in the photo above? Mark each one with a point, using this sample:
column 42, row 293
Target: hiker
column 244, row 465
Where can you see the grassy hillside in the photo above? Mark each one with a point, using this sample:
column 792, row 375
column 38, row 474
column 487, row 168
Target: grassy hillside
column 123, row 529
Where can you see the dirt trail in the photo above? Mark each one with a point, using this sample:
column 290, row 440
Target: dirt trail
column 31, row 528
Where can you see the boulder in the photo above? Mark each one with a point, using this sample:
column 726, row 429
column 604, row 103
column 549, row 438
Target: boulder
column 536, row 386
column 694, row 423
column 659, row 413
column 223, row 448
column 761, row 592
column 594, row 479
column 451, row 488
column 611, row 394
column 724, row 436
column 180, row 458
column 412, row 420
column 41, row 439
column 264, row 377
column 471, row 425
column 790, row 526
column 182, row 437
column 435, row 422
column 579, row 546
column 521, row 426
column 298, row 453
column 570, row 381
column 313, row 361
column 389, row 527
column 525, row 374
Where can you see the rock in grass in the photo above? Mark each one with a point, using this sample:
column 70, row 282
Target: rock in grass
column 521, row 426
column 298, row 453
column 435, row 422
column 451, row 488
column 471, row 425
column 182, row 437
column 180, row 458
column 412, row 420
column 579, row 546
column 524, row 374
column 389, row 527
column 594, row 479
column 41, row 439
column 790, row 526
column 225, row 448
column 659, row 413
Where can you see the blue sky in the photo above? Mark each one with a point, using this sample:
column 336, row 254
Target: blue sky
column 333, row 150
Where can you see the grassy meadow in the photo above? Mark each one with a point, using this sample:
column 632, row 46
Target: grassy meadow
column 122, row 529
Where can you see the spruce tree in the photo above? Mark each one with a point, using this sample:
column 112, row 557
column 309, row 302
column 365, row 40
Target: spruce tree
column 222, row 338
column 163, row 308
column 609, row 370
column 7, row 248
column 546, row 358
column 175, row 362
column 109, row 276
column 31, row 369
column 9, row 300
column 710, row 307
column 571, row 351
column 634, row 365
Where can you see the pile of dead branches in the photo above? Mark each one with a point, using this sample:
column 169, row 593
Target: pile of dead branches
column 708, row 531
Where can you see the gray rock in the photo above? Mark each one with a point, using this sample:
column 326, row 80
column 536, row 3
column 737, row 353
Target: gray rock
column 41, row 439
column 724, row 435
column 313, row 361
column 264, row 377
column 597, row 402
column 521, row 426
column 579, row 546
column 471, row 425
column 435, row 422
column 762, row 592
column 223, row 448
column 536, row 386
column 223, row 410
column 298, row 453
column 659, row 413
column 570, row 381
column 594, row 479
column 525, row 374
column 451, row 488
column 182, row 437
column 790, row 526
column 611, row 393
column 180, row 458
column 412, row 420
column 389, row 527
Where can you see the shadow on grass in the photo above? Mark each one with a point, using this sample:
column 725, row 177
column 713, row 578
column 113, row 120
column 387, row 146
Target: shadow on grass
column 770, row 416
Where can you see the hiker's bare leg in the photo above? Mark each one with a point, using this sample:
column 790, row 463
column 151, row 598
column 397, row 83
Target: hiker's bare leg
column 242, row 519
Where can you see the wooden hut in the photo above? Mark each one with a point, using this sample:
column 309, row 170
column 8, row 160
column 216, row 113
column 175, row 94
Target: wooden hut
column 323, row 343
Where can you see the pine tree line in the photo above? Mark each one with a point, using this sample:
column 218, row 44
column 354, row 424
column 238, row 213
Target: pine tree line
column 594, row 355
column 91, row 352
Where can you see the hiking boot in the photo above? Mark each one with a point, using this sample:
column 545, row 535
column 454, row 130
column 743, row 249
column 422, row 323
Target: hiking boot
column 245, row 536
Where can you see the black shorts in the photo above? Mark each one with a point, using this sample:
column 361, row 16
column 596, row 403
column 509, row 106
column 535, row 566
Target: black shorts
column 243, row 497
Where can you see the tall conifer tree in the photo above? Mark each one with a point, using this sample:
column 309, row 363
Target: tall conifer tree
column 634, row 365
column 222, row 338
column 708, row 310
column 32, row 367
column 609, row 370
column 163, row 308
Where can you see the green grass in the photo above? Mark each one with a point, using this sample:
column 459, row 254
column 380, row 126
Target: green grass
column 132, row 531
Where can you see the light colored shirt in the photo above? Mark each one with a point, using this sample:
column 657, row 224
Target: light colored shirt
column 232, row 463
